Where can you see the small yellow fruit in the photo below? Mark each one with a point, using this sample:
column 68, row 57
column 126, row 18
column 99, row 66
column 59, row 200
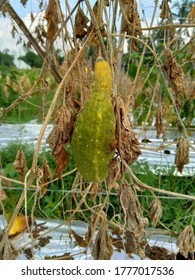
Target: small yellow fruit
column 19, row 225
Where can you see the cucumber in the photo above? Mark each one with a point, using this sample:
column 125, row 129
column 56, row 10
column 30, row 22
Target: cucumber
column 95, row 126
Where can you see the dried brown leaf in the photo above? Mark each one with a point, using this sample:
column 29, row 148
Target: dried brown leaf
column 155, row 211
column 135, row 223
column 114, row 172
column 79, row 239
column 96, row 220
column 8, row 252
column 24, row 2
column 191, row 15
column 47, row 175
column 182, row 154
column 131, row 23
column 81, row 21
column 102, row 248
column 165, row 10
column 40, row 34
column 118, row 243
column 62, row 161
column 46, row 170
column 20, row 163
column 2, row 194
column 51, row 15
column 159, row 253
column 175, row 77
column 14, row 31
column 62, row 129
column 160, row 128
column 32, row 17
column 128, row 144
column 98, row 14
column 65, row 256
column 185, row 241
column 40, row 4
column 59, row 136
column 97, row 10
column 133, row 45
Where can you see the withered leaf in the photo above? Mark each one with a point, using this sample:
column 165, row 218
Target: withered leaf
column 114, row 172
column 40, row 34
column 14, row 31
column 59, row 136
column 2, row 194
column 65, row 256
column 51, row 15
column 160, row 128
column 102, row 248
column 96, row 220
column 191, row 14
column 122, row 244
column 131, row 23
column 128, row 144
column 159, row 253
column 81, row 21
column 155, row 211
column 135, row 223
column 32, row 17
column 47, row 175
column 20, row 163
column 79, row 239
column 7, row 252
column 98, row 14
column 97, row 10
column 182, row 154
column 175, row 77
column 118, row 243
column 62, row 129
column 133, row 45
column 185, row 241
column 46, row 170
column 165, row 10
column 24, row 2
column 62, row 161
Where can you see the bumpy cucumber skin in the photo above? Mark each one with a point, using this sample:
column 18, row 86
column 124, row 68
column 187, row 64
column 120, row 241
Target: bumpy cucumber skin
column 95, row 127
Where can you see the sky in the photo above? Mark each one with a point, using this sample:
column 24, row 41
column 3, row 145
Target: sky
column 32, row 6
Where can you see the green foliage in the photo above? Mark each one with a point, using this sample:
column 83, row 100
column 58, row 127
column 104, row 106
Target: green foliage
column 182, row 9
column 16, row 82
column 6, row 59
column 32, row 59
column 55, row 200
column 177, row 213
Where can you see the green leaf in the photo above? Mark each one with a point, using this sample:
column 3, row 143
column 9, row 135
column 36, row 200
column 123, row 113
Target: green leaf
column 132, row 70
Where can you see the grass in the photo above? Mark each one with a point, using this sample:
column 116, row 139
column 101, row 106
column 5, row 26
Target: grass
column 54, row 194
column 58, row 200
column 177, row 213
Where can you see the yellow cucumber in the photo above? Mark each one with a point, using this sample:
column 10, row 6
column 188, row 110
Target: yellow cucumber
column 95, row 126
